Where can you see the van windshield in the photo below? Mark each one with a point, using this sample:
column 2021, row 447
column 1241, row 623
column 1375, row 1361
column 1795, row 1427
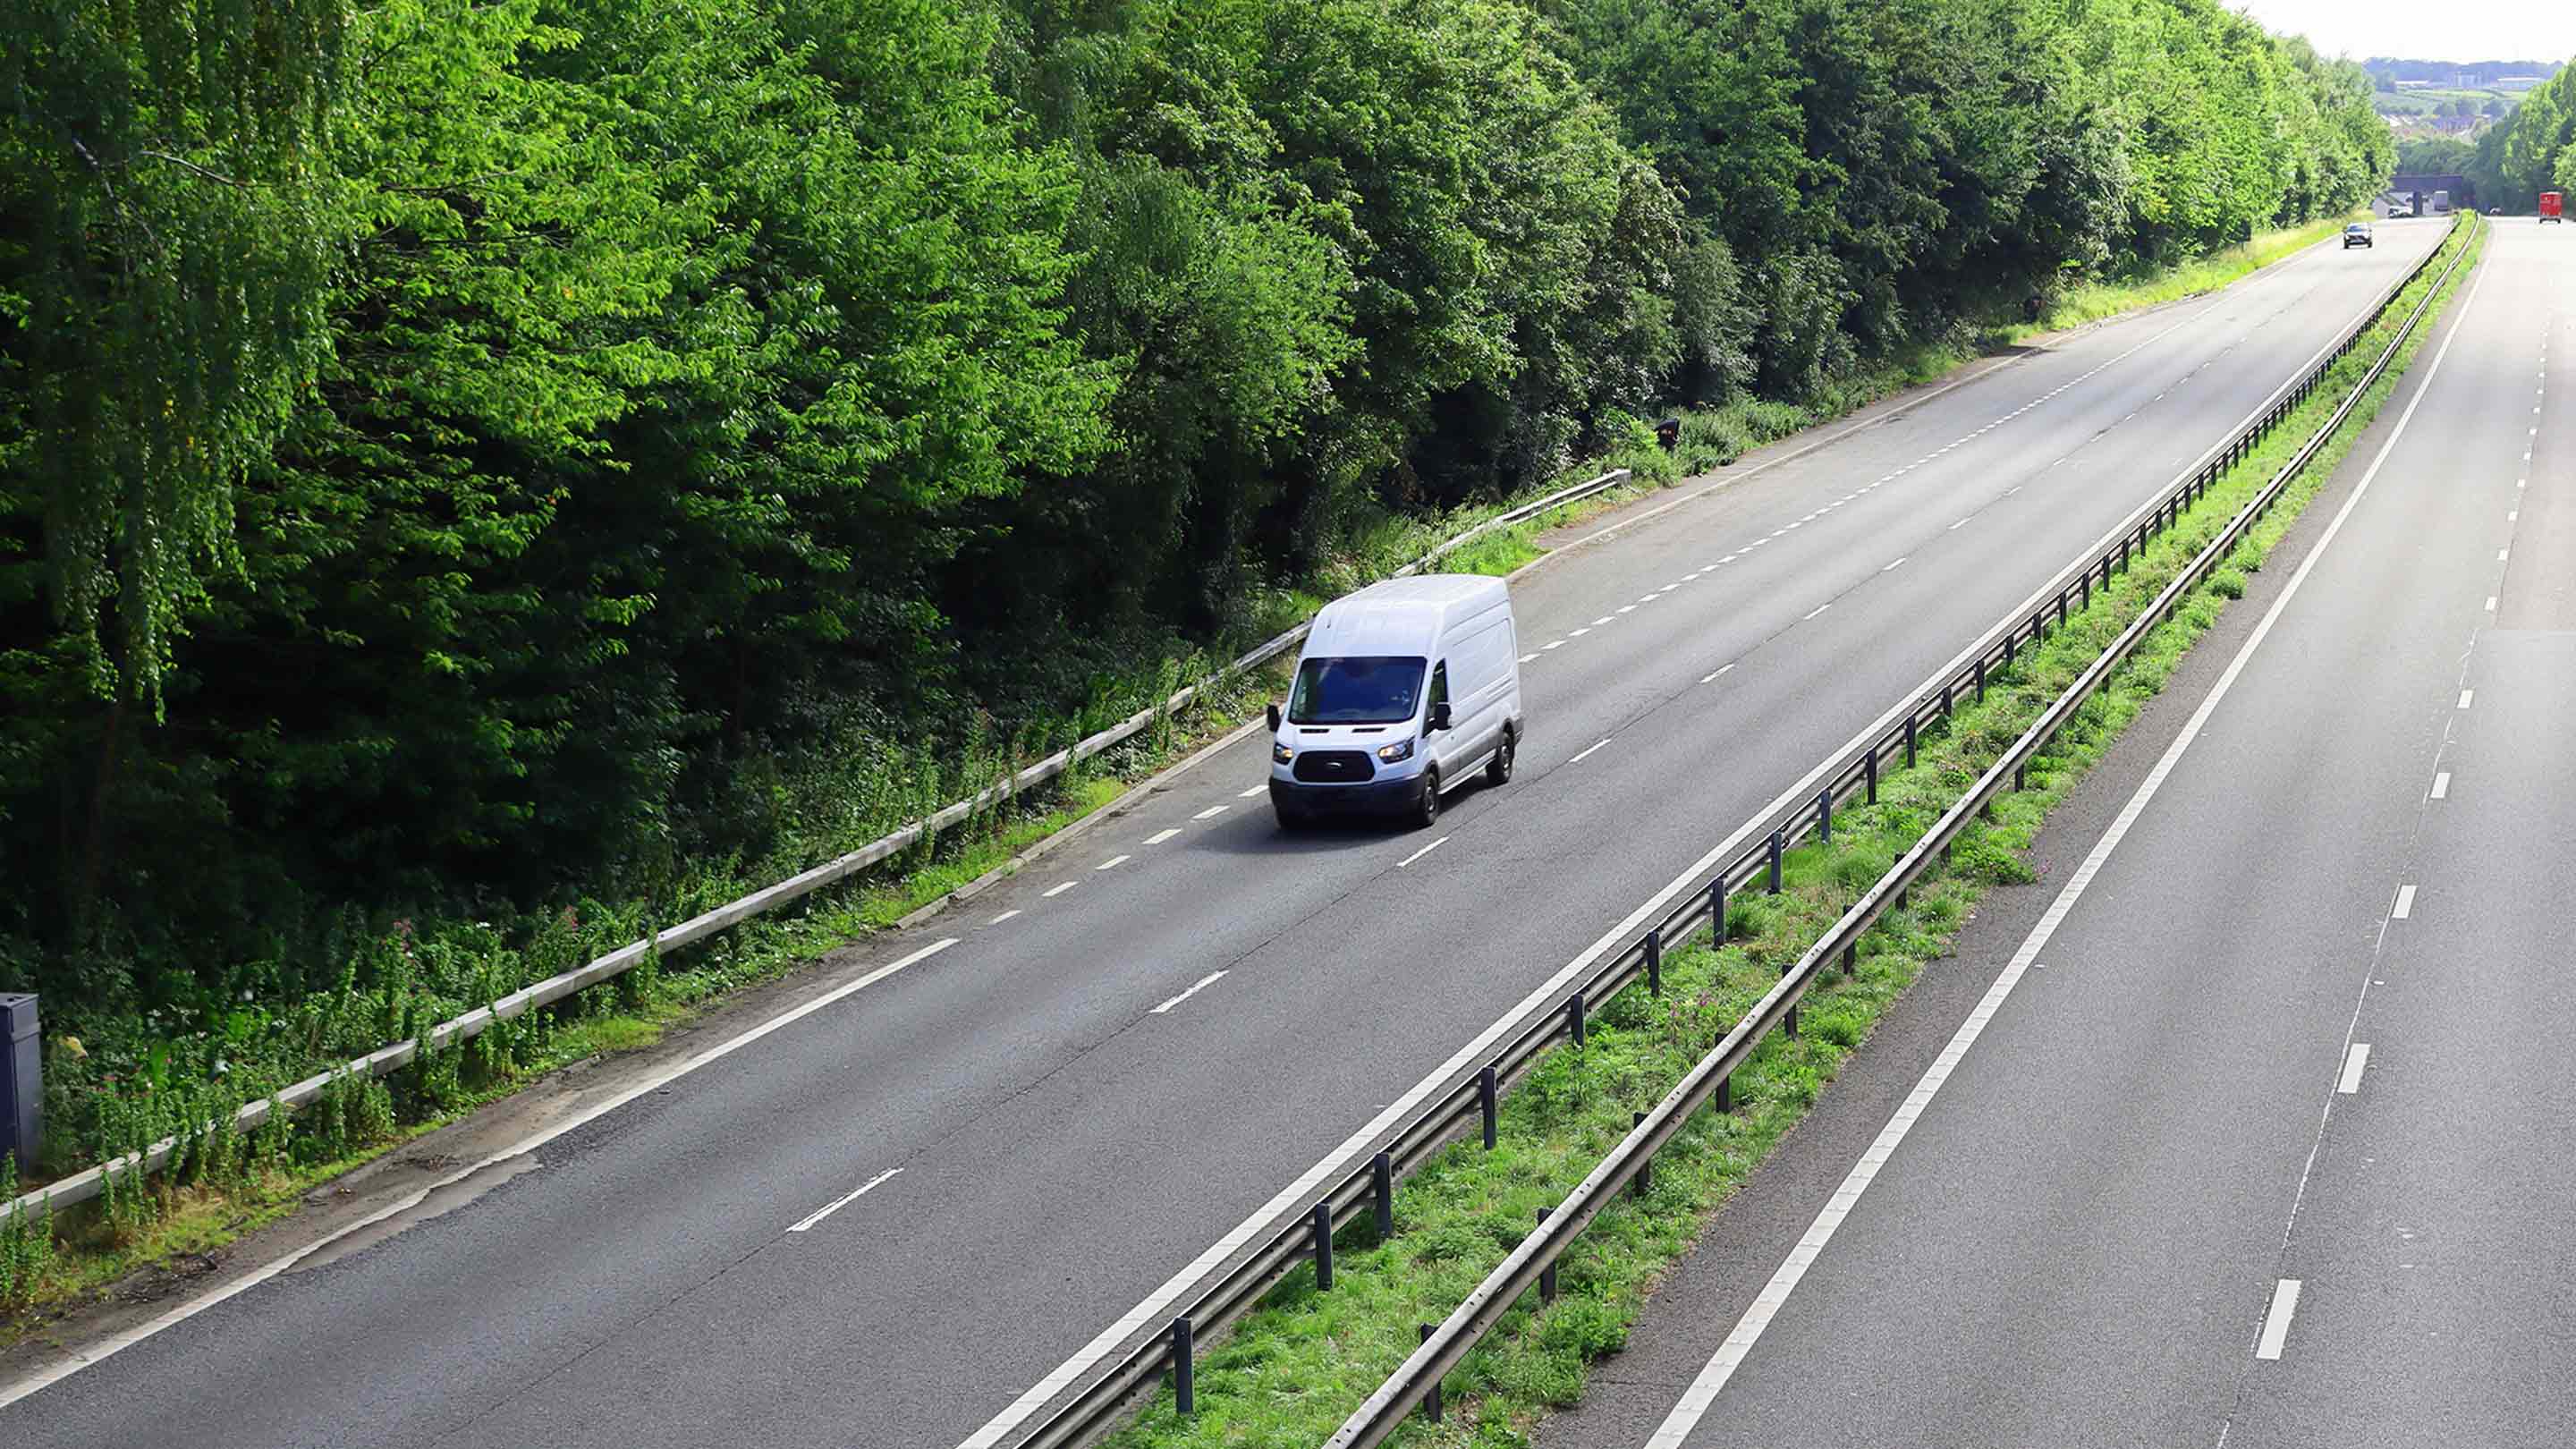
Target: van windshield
column 1361, row 689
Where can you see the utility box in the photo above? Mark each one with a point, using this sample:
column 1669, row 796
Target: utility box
column 22, row 1080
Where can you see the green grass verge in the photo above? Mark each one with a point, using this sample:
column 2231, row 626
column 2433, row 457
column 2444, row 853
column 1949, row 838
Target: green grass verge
column 1303, row 1360
column 2096, row 300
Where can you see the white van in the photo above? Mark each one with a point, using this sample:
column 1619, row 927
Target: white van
column 1404, row 691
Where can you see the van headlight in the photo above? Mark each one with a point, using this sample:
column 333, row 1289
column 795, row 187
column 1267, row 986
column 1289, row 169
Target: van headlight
column 1400, row 750
column 1281, row 754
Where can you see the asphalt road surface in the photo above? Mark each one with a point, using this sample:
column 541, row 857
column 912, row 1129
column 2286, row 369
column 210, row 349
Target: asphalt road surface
column 2260, row 1136
column 1062, row 1107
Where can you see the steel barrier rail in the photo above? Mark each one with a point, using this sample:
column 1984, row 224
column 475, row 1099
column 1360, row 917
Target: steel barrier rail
column 1447, row 1345
column 1068, row 1409
column 87, row 1184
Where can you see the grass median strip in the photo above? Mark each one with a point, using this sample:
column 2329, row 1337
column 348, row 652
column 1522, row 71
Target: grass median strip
column 1293, row 1369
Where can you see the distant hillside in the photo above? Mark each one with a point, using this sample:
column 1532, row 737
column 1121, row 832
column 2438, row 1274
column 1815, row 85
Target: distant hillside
column 2469, row 73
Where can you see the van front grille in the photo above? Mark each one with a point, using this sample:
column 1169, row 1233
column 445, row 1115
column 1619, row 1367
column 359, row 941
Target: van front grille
column 1334, row 766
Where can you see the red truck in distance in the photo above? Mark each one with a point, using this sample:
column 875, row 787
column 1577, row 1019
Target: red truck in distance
column 2550, row 207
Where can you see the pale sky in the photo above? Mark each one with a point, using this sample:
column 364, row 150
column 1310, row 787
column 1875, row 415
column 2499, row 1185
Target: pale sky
column 2416, row 30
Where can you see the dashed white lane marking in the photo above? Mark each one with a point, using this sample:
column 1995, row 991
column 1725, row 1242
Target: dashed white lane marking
column 1606, row 618
column 2466, row 695
column 2276, row 1324
column 862, row 1190
column 2442, row 785
column 2491, row 601
column 1578, row 759
column 1714, row 673
column 2500, row 554
column 1004, row 916
column 1556, row 644
column 1213, row 811
column 1757, row 543
column 1624, row 609
column 1713, row 1376
column 2405, row 904
column 1892, row 565
column 2513, row 515
column 2352, row 1064
column 1112, row 863
column 1202, row 984
column 1255, row 790
column 1578, row 633
column 1811, row 613
column 1054, row 891
column 1159, row 836
column 1426, row 850
column 1960, row 524
column 1784, row 528
column 1526, row 658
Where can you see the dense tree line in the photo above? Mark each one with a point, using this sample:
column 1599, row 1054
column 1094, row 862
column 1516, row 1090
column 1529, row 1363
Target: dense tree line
column 456, row 455
column 2532, row 151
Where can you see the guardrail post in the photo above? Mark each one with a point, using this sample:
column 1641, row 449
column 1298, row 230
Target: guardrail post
column 1825, row 815
column 1382, row 1194
column 1726, row 1093
column 1324, row 1247
column 2008, row 647
column 1574, row 1017
column 1945, row 701
column 2061, row 608
column 1184, row 1373
column 22, row 1081
column 2124, row 557
column 2084, row 599
column 2106, row 567
column 1717, row 911
column 1792, row 1023
column 1546, row 1275
column 1485, row 1100
column 1909, row 740
column 1869, row 773
column 1981, row 674
column 1655, row 962
column 1645, row 1179
column 1431, row 1401
column 1775, row 862
column 2017, row 777
column 1851, row 959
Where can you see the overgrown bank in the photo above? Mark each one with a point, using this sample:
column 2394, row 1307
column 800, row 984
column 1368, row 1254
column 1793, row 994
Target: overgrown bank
column 1291, row 1371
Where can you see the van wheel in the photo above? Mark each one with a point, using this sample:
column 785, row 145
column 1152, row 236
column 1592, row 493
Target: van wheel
column 1498, row 770
column 1427, row 813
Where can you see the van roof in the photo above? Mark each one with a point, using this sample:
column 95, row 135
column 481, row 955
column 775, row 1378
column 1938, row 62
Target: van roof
column 1402, row 616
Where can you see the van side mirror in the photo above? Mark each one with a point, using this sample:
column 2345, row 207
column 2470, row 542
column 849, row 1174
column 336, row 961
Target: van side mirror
column 1440, row 715
column 1274, row 718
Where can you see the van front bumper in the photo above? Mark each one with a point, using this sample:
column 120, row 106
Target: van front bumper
column 1383, row 797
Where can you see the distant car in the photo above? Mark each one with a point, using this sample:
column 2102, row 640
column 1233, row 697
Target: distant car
column 2357, row 234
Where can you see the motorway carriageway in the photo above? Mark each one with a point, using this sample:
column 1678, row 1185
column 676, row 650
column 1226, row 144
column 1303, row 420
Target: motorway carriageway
column 2260, row 1135
column 879, row 1223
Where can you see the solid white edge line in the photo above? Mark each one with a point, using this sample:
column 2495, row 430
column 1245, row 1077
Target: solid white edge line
column 2276, row 1322
column 117, row 1343
column 862, row 1190
column 1202, row 984
column 1712, row 1377
column 2353, row 1062
column 1426, row 850
column 2405, row 904
column 1152, row 1309
column 1578, row 759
